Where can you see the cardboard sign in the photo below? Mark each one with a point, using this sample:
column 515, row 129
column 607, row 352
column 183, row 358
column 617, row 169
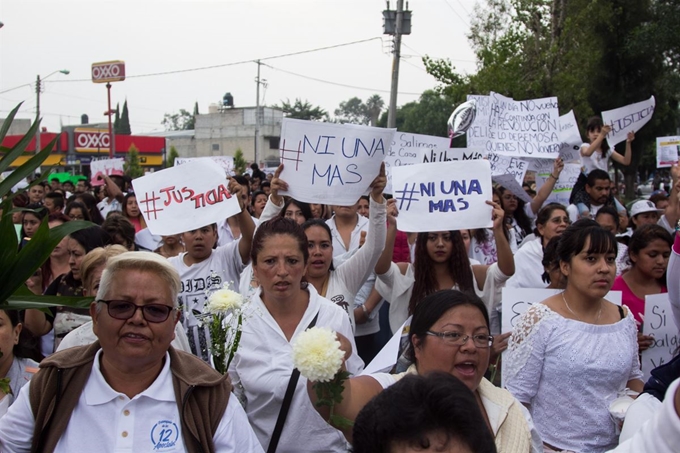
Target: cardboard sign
column 626, row 119
column 516, row 301
column 570, row 148
column 405, row 151
column 428, row 155
column 565, row 183
column 659, row 323
column 331, row 163
column 184, row 198
column 446, row 196
column 527, row 128
column 226, row 162
column 477, row 134
column 667, row 151
column 105, row 167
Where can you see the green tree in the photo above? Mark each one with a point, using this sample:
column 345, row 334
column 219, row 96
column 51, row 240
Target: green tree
column 178, row 121
column 125, row 121
column 374, row 106
column 356, row 111
column 172, row 155
column 302, row 110
column 239, row 162
column 116, row 120
column 132, row 166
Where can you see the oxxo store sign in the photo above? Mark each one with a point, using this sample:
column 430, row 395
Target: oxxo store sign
column 108, row 71
column 91, row 140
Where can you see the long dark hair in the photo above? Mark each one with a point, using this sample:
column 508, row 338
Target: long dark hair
column 644, row 236
column 520, row 216
column 304, row 207
column 595, row 123
column 91, row 202
column 425, row 282
column 320, row 223
column 575, row 236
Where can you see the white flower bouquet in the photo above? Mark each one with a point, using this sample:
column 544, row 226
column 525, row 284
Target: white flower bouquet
column 318, row 357
column 224, row 313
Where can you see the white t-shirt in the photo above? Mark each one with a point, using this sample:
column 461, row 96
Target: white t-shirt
column 595, row 161
column 105, row 420
column 224, row 265
column 528, row 266
column 572, row 210
column 355, row 237
column 105, row 206
column 261, row 369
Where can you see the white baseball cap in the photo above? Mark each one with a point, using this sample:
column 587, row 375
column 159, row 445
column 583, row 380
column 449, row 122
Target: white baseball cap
column 643, row 206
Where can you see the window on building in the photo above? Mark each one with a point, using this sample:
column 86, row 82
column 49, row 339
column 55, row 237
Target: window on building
column 274, row 142
column 215, row 146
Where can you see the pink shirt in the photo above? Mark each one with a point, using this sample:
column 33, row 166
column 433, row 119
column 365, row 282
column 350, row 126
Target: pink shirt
column 630, row 300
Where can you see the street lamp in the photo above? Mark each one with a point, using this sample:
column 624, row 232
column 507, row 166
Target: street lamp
column 38, row 88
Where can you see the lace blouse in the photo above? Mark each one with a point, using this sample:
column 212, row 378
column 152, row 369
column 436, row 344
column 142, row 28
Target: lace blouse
column 569, row 372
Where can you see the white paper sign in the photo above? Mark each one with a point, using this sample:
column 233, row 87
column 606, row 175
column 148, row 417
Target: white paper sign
column 446, row 196
column 226, row 162
column 516, row 301
column 184, row 198
column 527, row 128
column 564, row 185
column 570, row 148
column 477, row 134
column 667, row 151
column 626, row 119
column 404, row 151
column 427, row 155
column 660, row 324
column 331, row 163
column 105, row 167
column 510, row 183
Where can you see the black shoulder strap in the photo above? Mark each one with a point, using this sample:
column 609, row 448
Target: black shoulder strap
column 621, row 312
column 287, row 399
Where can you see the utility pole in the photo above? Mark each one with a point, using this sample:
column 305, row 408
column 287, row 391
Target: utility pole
column 257, row 114
column 37, row 112
column 392, row 112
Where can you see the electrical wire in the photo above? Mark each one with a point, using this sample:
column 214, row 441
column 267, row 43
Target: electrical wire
column 375, row 90
column 223, row 65
column 456, row 12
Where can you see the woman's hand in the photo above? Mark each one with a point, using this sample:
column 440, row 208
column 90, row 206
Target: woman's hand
column 500, row 344
column 277, row 184
column 644, row 341
column 345, row 346
column 606, row 129
column 558, row 166
column 34, row 282
column 630, row 136
column 392, row 213
column 378, row 185
column 498, row 215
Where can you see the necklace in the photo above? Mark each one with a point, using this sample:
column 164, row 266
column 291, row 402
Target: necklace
column 599, row 313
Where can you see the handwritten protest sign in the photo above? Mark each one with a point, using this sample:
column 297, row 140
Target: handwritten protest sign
column 446, row 196
column 516, row 301
column 660, row 324
column 404, row 151
column 331, row 163
column 427, row 155
column 105, row 167
column 626, row 119
column 527, row 128
column 570, row 148
column 226, row 162
column 184, row 198
column 478, row 133
column 565, row 183
column 667, row 151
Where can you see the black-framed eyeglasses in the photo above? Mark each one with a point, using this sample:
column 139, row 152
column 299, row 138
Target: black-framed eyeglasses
column 124, row 310
column 458, row 339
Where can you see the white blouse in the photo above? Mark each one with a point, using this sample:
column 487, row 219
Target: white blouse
column 569, row 372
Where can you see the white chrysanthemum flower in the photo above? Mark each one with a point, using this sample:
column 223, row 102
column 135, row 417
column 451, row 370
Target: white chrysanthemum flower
column 317, row 354
column 224, row 301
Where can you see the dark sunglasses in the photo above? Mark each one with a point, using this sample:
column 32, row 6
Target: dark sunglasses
column 124, row 310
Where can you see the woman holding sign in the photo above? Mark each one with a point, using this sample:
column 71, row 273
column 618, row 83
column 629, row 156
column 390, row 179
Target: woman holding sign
column 571, row 355
column 441, row 262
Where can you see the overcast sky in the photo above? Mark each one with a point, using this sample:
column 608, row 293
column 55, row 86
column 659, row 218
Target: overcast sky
column 155, row 36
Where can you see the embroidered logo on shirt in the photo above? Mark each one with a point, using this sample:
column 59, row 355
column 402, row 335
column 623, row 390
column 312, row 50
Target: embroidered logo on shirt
column 164, row 435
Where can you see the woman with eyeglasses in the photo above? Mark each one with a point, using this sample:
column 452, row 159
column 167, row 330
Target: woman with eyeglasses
column 450, row 333
column 551, row 221
column 520, row 214
column 571, row 355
